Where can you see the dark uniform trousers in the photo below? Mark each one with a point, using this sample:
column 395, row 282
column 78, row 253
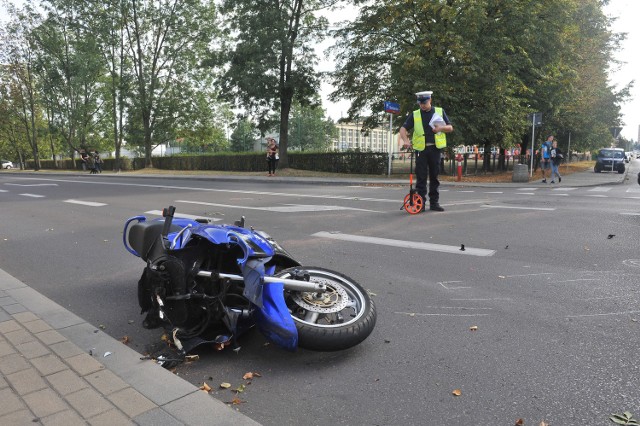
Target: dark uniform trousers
column 428, row 162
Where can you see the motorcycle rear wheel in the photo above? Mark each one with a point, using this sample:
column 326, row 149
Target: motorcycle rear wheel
column 339, row 319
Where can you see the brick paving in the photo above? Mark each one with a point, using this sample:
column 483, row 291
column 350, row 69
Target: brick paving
column 47, row 378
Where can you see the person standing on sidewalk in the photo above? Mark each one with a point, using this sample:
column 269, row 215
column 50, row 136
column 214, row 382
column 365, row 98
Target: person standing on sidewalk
column 272, row 156
column 545, row 158
column 430, row 125
column 556, row 158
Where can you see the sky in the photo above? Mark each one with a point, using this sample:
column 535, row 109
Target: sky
column 628, row 21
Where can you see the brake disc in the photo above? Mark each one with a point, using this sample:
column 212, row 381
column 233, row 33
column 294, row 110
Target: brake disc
column 333, row 300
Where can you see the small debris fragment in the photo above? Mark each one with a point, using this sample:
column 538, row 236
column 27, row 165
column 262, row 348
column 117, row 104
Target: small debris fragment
column 225, row 385
column 247, row 376
column 457, row 392
column 101, row 327
column 106, row 354
column 506, row 247
column 125, row 340
column 473, row 328
column 192, row 357
column 610, row 236
column 501, row 276
column 519, row 422
column 461, row 247
column 205, row 387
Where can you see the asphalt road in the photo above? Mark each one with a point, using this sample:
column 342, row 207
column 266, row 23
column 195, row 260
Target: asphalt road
column 549, row 277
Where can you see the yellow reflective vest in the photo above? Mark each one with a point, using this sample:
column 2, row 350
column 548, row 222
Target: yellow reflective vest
column 418, row 140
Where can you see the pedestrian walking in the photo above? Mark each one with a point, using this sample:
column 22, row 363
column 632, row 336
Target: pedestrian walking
column 91, row 164
column 545, row 157
column 272, row 156
column 430, row 125
column 84, row 157
column 556, row 158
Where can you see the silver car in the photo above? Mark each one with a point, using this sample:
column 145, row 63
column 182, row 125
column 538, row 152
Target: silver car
column 6, row 164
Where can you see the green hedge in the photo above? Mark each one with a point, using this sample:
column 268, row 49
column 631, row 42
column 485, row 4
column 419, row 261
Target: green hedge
column 370, row 163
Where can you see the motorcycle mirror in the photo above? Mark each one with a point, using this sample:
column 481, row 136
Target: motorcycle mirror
column 240, row 222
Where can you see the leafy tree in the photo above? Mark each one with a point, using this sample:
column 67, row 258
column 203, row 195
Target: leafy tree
column 165, row 40
column 310, row 130
column 272, row 63
column 243, row 136
column 489, row 63
column 19, row 56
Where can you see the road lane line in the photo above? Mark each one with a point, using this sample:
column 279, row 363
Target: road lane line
column 550, row 209
column 32, row 195
column 32, row 184
column 416, row 314
column 287, row 208
column 600, row 189
column 85, row 203
column 183, row 215
column 469, row 251
column 602, row 315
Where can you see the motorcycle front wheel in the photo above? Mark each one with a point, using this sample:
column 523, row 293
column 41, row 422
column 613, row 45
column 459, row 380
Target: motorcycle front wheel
column 338, row 319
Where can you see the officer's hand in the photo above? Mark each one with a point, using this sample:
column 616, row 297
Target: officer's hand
column 437, row 129
column 406, row 145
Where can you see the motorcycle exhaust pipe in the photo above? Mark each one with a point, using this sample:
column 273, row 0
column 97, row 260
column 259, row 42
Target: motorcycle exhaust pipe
column 295, row 285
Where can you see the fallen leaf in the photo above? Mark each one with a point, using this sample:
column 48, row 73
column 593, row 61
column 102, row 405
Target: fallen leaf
column 543, row 423
column 239, row 389
column 192, row 357
column 125, row 340
column 519, row 422
column 457, row 392
column 165, row 338
column 236, row 401
column 473, row 328
column 101, row 327
column 247, row 376
column 205, row 387
column 225, row 385
column 257, row 374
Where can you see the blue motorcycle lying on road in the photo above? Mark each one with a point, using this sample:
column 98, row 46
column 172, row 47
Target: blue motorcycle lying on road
column 209, row 283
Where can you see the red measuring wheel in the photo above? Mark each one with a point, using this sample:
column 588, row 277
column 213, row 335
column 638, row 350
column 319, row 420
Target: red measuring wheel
column 413, row 203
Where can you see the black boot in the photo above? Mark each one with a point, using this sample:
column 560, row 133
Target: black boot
column 436, row 207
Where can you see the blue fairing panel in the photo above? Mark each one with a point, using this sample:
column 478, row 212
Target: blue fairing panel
column 274, row 320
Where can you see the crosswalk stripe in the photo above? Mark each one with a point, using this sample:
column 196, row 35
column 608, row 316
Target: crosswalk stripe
column 601, row 189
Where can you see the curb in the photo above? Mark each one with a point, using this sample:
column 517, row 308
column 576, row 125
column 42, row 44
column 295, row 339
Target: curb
column 148, row 394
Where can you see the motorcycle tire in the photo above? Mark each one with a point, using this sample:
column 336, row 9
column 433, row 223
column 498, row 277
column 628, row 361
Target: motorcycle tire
column 339, row 319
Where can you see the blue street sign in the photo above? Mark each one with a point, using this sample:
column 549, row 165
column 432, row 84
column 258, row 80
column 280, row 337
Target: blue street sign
column 391, row 107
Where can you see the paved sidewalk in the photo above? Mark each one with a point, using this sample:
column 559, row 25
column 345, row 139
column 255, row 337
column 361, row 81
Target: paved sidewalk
column 53, row 372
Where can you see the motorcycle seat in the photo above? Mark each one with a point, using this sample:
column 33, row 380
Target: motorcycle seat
column 143, row 236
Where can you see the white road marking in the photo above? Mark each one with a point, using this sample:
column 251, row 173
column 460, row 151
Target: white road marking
column 32, row 184
column 291, row 208
column 183, row 215
column 230, row 191
column 466, row 191
column 416, row 314
column 597, row 196
column 561, row 195
column 602, row 315
column 633, row 189
column 85, row 203
column 527, row 189
column 495, row 192
column 529, row 275
column 520, row 208
column 567, row 188
column 451, row 288
column 600, row 189
column 524, row 193
column 632, row 198
column 630, row 214
column 3, row 190
column 469, row 251
column 579, row 279
column 32, row 195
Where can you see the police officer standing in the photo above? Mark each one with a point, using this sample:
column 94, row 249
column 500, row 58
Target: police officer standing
column 429, row 126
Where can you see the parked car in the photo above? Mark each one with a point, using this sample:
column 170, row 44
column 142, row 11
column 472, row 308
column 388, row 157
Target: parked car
column 6, row 164
column 610, row 159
